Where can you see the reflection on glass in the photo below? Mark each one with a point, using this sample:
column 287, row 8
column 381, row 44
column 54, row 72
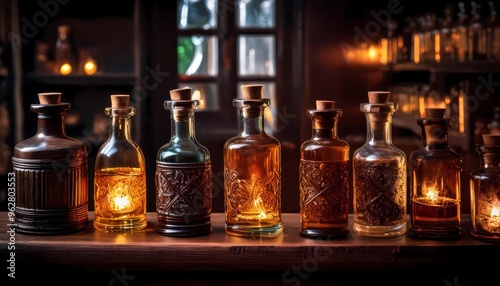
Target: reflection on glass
column 269, row 90
column 256, row 13
column 197, row 55
column 196, row 14
column 256, row 55
column 206, row 93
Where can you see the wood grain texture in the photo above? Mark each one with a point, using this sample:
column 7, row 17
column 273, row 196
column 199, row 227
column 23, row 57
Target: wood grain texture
column 147, row 251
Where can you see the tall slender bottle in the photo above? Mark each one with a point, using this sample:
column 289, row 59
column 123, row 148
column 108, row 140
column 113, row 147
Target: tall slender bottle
column 435, row 181
column 379, row 173
column 51, row 174
column 183, row 173
column 324, row 176
column 120, row 174
column 252, row 171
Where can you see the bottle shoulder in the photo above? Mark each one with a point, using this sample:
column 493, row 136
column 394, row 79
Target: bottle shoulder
column 46, row 147
column 253, row 140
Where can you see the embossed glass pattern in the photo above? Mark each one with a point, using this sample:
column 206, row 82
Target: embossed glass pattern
column 252, row 172
column 379, row 174
column 324, row 176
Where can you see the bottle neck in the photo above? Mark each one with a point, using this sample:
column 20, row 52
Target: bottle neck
column 435, row 132
column 251, row 121
column 324, row 128
column 120, row 124
column 51, row 119
column 182, row 126
column 379, row 128
column 489, row 156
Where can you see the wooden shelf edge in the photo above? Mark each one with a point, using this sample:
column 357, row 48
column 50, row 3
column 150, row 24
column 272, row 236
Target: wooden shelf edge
column 96, row 79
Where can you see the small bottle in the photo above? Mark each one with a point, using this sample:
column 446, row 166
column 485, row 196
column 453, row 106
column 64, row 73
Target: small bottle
column 120, row 174
column 66, row 55
column 183, row 173
column 493, row 34
column 324, row 176
column 460, row 34
column 51, row 174
column 252, row 171
column 379, row 174
column 435, row 181
column 446, row 48
column 477, row 39
column 494, row 125
column 484, row 182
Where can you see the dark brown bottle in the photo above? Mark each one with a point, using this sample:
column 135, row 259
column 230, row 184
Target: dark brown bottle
column 51, row 172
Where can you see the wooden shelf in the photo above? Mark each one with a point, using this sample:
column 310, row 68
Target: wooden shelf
column 152, row 255
column 446, row 67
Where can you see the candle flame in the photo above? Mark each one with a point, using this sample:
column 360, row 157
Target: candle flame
column 90, row 67
column 257, row 203
column 495, row 212
column 121, row 202
column 432, row 194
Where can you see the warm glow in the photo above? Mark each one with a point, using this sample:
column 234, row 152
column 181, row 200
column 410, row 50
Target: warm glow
column 90, row 67
column 416, row 49
column 121, row 203
column 421, row 105
column 432, row 195
column 372, row 54
column 437, row 48
column 461, row 114
column 65, row 69
column 257, row 203
column 384, row 50
column 495, row 212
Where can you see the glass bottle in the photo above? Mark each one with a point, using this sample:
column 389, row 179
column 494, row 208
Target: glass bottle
column 494, row 125
column 324, row 176
column 485, row 193
column 477, row 41
column 446, row 48
column 492, row 34
column 183, row 173
column 252, row 171
column 66, row 60
column 51, row 174
column 460, row 35
column 379, row 174
column 120, row 174
column 435, row 181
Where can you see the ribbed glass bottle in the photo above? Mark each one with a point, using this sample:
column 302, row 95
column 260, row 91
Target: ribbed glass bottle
column 120, row 174
column 183, row 173
column 379, row 174
column 252, row 171
column 51, row 174
column 324, row 176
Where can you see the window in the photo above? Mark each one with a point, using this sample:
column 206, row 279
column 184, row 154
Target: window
column 223, row 44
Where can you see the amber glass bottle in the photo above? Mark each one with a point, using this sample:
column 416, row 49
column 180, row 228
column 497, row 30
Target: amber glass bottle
column 485, row 192
column 435, row 181
column 183, row 173
column 120, row 174
column 51, row 174
column 324, row 176
column 252, row 171
column 379, row 174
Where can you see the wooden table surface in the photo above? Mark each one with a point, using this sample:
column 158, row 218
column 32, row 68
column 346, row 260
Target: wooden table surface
column 147, row 251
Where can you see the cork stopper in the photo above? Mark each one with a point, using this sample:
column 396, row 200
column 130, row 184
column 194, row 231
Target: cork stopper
column 378, row 96
column 435, row 112
column 325, row 104
column 181, row 94
column 119, row 100
column 491, row 139
column 49, row 97
column 251, row 91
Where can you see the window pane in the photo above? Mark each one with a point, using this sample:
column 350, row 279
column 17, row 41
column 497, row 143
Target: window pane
column 197, row 55
column 206, row 92
column 256, row 55
column 256, row 14
column 197, row 14
column 269, row 91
